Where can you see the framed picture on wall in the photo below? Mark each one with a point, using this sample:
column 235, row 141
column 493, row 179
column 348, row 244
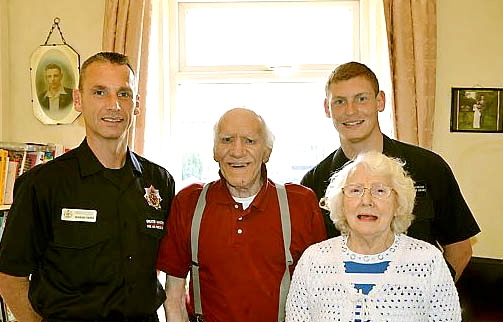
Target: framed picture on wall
column 476, row 110
column 54, row 73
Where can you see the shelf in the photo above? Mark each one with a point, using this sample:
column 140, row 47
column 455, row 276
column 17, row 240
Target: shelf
column 4, row 207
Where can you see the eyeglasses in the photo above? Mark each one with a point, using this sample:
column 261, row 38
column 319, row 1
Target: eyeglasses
column 378, row 191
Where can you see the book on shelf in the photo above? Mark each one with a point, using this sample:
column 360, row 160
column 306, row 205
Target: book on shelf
column 10, row 178
column 4, row 159
column 3, row 220
column 17, row 158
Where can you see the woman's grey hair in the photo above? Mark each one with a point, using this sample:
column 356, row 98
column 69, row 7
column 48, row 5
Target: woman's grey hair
column 266, row 131
column 375, row 163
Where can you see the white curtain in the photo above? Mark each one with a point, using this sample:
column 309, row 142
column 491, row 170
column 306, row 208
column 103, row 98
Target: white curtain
column 158, row 145
column 375, row 54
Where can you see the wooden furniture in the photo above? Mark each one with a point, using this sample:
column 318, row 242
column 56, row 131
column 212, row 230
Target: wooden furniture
column 480, row 289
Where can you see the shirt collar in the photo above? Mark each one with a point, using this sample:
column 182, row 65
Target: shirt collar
column 389, row 149
column 61, row 91
column 89, row 163
column 222, row 194
column 339, row 160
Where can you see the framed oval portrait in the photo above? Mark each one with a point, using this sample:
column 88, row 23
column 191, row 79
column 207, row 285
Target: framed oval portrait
column 54, row 73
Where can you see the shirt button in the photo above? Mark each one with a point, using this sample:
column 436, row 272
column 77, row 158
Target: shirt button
column 130, row 258
column 240, row 231
column 236, row 206
column 240, row 218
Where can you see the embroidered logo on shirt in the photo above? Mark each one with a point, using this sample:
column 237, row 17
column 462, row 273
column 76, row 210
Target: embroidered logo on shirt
column 153, row 198
column 155, row 224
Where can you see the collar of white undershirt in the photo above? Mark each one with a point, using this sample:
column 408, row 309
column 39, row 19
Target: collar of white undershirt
column 246, row 202
column 61, row 91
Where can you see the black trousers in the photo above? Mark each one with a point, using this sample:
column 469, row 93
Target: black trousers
column 146, row 318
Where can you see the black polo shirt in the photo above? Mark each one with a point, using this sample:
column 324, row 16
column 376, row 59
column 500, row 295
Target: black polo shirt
column 89, row 236
column 441, row 213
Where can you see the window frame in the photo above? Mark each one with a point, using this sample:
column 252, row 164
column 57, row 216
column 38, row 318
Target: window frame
column 259, row 72
column 163, row 113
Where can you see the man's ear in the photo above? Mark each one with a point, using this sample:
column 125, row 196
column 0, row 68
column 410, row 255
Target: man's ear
column 267, row 155
column 77, row 100
column 381, row 100
column 215, row 157
column 327, row 108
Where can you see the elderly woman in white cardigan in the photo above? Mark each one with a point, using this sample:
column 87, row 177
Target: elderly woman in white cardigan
column 373, row 271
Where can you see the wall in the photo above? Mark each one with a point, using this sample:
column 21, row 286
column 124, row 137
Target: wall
column 469, row 55
column 4, row 66
column 28, row 27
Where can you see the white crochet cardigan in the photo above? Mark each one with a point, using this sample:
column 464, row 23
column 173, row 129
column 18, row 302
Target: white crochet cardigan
column 417, row 286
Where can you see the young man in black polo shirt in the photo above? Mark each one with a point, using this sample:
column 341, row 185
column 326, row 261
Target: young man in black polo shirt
column 83, row 231
column 353, row 101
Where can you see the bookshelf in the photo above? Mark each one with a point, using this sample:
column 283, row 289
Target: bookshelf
column 17, row 158
column 4, row 209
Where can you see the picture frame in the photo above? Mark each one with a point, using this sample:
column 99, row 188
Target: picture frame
column 54, row 71
column 476, row 110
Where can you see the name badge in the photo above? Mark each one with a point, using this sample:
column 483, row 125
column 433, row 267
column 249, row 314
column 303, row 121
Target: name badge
column 84, row 215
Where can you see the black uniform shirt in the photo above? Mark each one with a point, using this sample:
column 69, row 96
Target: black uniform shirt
column 89, row 236
column 441, row 213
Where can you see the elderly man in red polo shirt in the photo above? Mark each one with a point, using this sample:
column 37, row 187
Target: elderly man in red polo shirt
column 242, row 245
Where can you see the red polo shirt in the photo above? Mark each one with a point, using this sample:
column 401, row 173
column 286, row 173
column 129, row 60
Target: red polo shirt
column 241, row 252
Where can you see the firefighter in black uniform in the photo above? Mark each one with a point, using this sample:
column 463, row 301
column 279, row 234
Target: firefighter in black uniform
column 83, row 231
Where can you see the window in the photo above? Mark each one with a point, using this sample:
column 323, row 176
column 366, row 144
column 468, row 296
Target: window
column 259, row 36
column 271, row 56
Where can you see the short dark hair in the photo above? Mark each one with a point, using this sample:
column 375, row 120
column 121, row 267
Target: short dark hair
column 53, row 66
column 351, row 70
column 104, row 57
